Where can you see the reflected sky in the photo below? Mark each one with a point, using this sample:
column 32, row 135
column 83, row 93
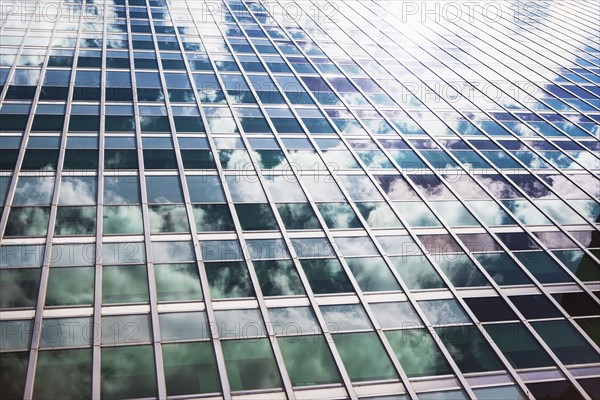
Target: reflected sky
column 514, row 137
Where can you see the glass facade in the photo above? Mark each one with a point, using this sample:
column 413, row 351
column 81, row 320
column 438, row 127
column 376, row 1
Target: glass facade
column 298, row 199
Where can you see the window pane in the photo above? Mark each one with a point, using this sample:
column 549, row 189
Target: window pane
column 519, row 346
column 75, row 221
column 468, row 348
column 364, row 357
column 177, row 282
column 318, row 368
column 490, row 309
column 173, row 251
column 168, row 219
column 121, row 190
column 250, row 364
column 123, row 220
column 504, row 392
column 372, row 274
column 19, row 287
column 460, row 270
column 240, row 323
column 396, row 315
column 444, row 312
column 13, row 372
column 163, row 189
column 503, row 270
column 205, row 189
column 229, row 279
column 278, row 278
column 535, row 306
column 131, row 379
column 256, row 217
column 326, row 276
column 183, row 326
column 556, row 389
column 566, row 342
column 190, row 368
column 212, row 217
column 63, row 374
column 21, row 255
column 16, row 335
column 418, row 353
column 379, row 215
column 293, row 321
column 581, row 264
column 417, row 272
column 34, row 191
column 339, row 216
column 124, row 284
column 27, row 221
column 298, row 216
column 447, row 395
column 121, row 253
column 356, row 246
column 62, row 332
column 349, row 317
column 126, row 329
column 543, row 267
column 70, row 286
column 285, row 189
column 77, row 190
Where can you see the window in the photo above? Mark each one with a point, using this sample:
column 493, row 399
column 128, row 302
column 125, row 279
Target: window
column 418, row 353
column 519, row 346
column 63, row 374
column 364, row 357
column 136, row 378
column 317, row 369
column 124, row 284
column 326, row 276
column 373, row 274
column 228, row 279
column 250, row 364
column 278, row 278
column 190, row 368
column 469, row 349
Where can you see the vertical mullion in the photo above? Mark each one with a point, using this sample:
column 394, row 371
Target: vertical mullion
column 152, row 291
column 45, row 270
column 97, row 318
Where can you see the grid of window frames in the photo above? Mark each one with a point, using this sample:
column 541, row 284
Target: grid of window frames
column 299, row 199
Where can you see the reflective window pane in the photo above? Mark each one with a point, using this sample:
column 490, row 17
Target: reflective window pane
column 316, row 369
column 135, row 378
column 418, row 353
column 183, row 326
column 469, row 349
column 373, row 274
column 190, row 368
column 229, row 279
column 326, row 276
column 364, row 357
column 65, row 374
column 124, row 284
column 250, row 364
column 177, row 282
column 567, row 343
column 278, row 278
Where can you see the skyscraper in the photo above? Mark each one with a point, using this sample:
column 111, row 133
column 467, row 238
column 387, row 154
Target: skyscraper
column 297, row 199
